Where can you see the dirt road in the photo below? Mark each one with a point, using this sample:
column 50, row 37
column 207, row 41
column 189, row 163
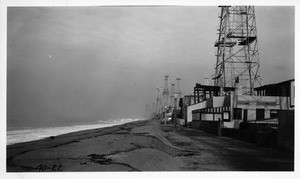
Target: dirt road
column 216, row 153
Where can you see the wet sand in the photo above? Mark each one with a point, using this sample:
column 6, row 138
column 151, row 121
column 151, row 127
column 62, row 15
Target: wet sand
column 144, row 146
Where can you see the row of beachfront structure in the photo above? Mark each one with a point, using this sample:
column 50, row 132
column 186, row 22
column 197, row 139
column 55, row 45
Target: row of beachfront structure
column 232, row 107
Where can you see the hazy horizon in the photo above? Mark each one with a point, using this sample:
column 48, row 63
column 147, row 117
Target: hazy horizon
column 85, row 64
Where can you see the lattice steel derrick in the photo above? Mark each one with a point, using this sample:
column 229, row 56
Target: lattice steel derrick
column 237, row 49
column 166, row 92
column 172, row 95
column 157, row 100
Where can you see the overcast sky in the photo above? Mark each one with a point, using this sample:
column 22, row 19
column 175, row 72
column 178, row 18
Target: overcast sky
column 98, row 63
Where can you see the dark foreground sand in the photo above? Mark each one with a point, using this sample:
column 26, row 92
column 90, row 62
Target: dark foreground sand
column 144, row 146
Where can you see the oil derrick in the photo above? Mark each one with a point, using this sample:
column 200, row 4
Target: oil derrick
column 160, row 101
column 237, row 49
column 147, row 111
column 153, row 112
column 172, row 95
column 178, row 92
column 206, row 82
column 166, row 93
column 157, row 106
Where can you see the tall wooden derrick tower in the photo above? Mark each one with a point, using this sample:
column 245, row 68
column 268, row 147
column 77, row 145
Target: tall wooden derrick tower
column 237, row 49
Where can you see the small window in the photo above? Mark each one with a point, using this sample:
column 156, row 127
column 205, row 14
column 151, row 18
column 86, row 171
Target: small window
column 196, row 117
column 226, row 116
column 260, row 114
column 237, row 113
column 273, row 113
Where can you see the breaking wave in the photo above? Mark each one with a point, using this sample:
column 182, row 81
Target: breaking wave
column 25, row 135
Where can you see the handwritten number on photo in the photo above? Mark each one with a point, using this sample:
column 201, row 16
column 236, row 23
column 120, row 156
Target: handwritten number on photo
column 42, row 168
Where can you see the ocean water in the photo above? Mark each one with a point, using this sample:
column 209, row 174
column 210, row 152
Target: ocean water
column 31, row 134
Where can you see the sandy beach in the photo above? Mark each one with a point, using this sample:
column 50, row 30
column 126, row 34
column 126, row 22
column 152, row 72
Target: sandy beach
column 144, row 146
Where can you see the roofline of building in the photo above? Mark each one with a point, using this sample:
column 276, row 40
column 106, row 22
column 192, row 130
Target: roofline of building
column 274, row 84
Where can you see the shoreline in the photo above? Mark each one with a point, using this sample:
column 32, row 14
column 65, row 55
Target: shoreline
column 143, row 146
column 67, row 134
column 68, row 129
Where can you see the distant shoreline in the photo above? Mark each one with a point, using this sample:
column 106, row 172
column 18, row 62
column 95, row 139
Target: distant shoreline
column 93, row 126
